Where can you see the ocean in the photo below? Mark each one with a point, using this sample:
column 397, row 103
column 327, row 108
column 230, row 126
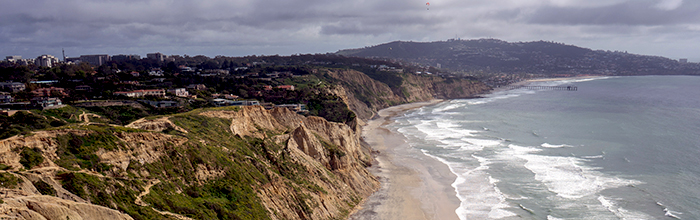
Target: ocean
column 617, row 148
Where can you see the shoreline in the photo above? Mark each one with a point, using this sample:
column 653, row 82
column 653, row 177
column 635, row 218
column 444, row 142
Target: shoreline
column 413, row 185
column 529, row 81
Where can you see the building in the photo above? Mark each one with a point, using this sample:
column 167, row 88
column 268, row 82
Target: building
column 13, row 86
column 142, row 93
column 73, row 60
column 85, row 88
column 179, row 92
column 46, row 61
column 122, row 57
column 95, row 60
column 226, row 102
column 294, row 107
column 51, row 91
column 13, row 59
column 197, row 86
column 286, row 87
column 6, row 97
column 156, row 56
column 45, row 102
column 161, row 104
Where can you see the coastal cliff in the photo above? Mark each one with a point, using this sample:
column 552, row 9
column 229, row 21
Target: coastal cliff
column 243, row 163
column 365, row 95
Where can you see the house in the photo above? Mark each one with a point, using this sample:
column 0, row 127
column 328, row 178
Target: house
column 83, row 88
column 51, row 91
column 45, row 102
column 142, row 93
column 226, row 102
column 12, row 86
column 197, row 86
column 179, row 92
column 162, row 104
column 286, row 87
column 6, row 97
column 294, row 107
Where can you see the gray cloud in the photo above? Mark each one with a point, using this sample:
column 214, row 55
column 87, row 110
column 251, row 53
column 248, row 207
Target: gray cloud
column 627, row 13
column 243, row 27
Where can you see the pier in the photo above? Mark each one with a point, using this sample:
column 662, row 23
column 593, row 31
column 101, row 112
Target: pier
column 560, row 88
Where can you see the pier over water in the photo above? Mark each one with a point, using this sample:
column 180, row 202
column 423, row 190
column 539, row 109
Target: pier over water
column 560, row 88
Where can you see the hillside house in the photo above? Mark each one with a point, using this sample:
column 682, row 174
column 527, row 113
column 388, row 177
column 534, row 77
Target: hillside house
column 45, row 102
column 179, row 92
column 13, row 86
column 51, row 91
column 6, row 98
column 142, row 93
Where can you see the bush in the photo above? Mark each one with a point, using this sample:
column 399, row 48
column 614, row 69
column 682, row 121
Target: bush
column 8, row 180
column 30, row 157
column 44, row 188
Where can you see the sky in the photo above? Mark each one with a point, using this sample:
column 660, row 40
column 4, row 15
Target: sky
column 669, row 28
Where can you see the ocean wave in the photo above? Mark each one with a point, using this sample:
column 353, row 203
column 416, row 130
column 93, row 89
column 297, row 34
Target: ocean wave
column 668, row 212
column 593, row 157
column 479, row 196
column 546, row 145
column 620, row 212
column 568, row 177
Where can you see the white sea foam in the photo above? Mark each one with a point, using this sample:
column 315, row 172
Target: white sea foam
column 482, row 142
column 549, row 217
column 668, row 212
column 547, row 145
column 448, row 106
column 479, row 197
column 620, row 212
column 593, row 157
column 568, row 177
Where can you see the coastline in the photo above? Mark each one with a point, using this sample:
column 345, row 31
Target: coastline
column 529, row 81
column 413, row 185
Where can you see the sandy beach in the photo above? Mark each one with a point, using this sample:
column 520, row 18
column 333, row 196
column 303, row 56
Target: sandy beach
column 414, row 186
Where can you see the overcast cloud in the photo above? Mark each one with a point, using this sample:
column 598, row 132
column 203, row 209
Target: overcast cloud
column 30, row 28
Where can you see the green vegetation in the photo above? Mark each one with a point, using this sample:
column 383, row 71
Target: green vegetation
column 30, row 157
column 113, row 193
column 77, row 151
column 22, row 122
column 8, row 180
column 67, row 114
column 120, row 115
column 44, row 188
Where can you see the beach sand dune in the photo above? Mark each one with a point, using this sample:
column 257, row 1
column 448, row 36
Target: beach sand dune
column 414, row 186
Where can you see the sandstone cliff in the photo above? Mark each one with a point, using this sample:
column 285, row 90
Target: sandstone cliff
column 246, row 163
column 365, row 95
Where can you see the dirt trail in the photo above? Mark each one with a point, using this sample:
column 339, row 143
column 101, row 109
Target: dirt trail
column 146, row 191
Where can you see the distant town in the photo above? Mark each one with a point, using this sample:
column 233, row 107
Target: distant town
column 46, row 82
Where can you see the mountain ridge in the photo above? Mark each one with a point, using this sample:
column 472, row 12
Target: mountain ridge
column 536, row 57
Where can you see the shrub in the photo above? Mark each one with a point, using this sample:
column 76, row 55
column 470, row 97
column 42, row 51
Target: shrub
column 30, row 157
column 44, row 188
column 8, row 180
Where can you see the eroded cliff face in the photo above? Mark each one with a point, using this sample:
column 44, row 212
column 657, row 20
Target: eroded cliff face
column 365, row 95
column 331, row 153
column 309, row 168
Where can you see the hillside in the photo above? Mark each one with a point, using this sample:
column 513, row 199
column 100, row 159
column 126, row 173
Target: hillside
column 235, row 163
column 540, row 57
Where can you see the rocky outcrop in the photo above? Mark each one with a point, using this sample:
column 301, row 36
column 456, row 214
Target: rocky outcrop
column 365, row 96
column 331, row 153
column 49, row 207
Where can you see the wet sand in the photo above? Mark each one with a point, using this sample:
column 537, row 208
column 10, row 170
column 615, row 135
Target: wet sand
column 414, row 186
